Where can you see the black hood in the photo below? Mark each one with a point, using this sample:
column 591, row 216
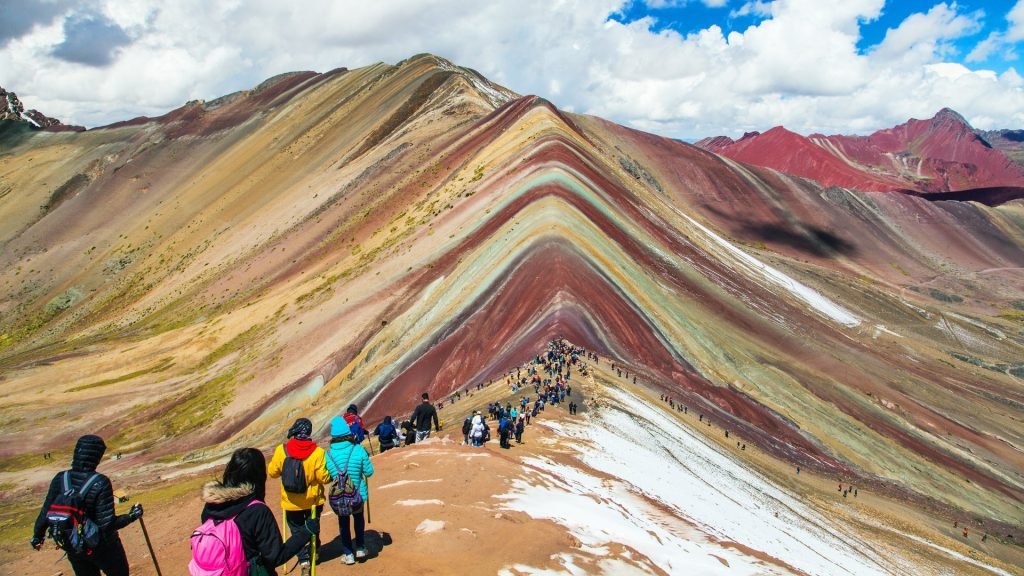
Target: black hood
column 88, row 453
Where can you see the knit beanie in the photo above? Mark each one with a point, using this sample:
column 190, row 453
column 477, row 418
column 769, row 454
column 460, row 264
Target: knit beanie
column 339, row 428
column 302, row 429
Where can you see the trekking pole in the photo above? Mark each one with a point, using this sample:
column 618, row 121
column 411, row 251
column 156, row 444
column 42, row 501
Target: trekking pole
column 312, row 541
column 371, row 445
column 149, row 545
column 368, row 519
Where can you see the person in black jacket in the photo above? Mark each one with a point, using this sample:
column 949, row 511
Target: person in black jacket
column 98, row 503
column 422, row 416
column 245, row 480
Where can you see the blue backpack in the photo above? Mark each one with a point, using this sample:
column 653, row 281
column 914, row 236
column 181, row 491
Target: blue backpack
column 386, row 433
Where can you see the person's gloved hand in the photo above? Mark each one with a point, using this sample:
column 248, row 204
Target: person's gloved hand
column 313, row 526
column 37, row 542
column 135, row 512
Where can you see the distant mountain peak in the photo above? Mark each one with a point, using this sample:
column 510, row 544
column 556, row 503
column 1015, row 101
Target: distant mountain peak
column 935, row 155
column 950, row 115
column 12, row 109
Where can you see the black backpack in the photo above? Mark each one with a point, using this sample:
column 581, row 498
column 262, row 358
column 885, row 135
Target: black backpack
column 67, row 522
column 293, row 475
column 467, row 425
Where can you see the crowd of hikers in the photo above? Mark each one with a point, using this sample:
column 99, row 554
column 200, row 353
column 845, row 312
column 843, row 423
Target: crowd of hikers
column 238, row 533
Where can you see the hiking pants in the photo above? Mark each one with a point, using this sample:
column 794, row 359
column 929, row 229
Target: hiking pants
column 359, row 523
column 297, row 524
column 108, row 557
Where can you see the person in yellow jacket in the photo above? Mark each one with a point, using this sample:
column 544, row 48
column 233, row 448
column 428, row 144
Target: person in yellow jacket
column 299, row 463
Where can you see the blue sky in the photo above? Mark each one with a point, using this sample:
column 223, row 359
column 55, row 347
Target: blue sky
column 688, row 17
column 680, row 68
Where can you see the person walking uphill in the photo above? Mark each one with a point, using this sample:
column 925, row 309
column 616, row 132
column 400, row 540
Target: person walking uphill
column 93, row 495
column 421, row 418
column 300, row 464
column 238, row 497
column 349, row 465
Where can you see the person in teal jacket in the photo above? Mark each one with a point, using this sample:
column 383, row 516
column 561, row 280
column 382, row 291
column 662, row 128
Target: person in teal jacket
column 345, row 454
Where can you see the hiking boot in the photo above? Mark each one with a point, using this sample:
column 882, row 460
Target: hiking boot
column 360, row 553
column 348, row 559
column 305, row 568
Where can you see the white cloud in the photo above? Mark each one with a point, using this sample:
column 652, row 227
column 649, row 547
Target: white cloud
column 922, row 36
column 672, row 3
column 1015, row 32
column 800, row 67
column 756, row 8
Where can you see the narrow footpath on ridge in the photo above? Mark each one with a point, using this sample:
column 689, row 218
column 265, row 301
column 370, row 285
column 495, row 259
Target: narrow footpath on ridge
column 628, row 485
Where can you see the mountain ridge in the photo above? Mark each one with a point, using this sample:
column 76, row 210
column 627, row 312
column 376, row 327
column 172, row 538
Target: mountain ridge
column 936, row 155
column 367, row 235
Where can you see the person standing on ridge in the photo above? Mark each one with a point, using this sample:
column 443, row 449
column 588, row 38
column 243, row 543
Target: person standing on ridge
column 349, row 458
column 239, row 496
column 96, row 496
column 355, row 423
column 387, row 434
column 301, row 466
column 422, row 416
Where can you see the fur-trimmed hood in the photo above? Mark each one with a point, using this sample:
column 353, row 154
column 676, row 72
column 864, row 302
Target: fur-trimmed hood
column 217, row 493
column 226, row 501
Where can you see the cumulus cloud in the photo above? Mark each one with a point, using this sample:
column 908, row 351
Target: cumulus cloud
column 756, row 8
column 16, row 20
column 924, row 36
column 1002, row 42
column 1015, row 32
column 674, row 3
column 90, row 39
column 800, row 66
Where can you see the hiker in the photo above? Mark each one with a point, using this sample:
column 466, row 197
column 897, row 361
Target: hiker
column 239, row 496
column 422, row 416
column 520, row 425
column 504, row 426
column 387, row 434
column 408, row 432
column 94, row 497
column 467, row 427
column 300, row 465
column 348, row 459
column 355, row 423
column 478, row 429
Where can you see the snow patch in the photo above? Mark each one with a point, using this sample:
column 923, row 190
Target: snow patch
column 404, row 482
column 667, row 493
column 810, row 296
column 413, row 502
column 428, row 526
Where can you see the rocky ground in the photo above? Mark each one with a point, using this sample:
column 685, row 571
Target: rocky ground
column 585, row 494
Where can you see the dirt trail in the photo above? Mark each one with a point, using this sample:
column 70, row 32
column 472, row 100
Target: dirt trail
column 433, row 507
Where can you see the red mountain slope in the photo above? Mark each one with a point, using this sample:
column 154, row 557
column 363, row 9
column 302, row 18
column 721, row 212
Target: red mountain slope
column 941, row 154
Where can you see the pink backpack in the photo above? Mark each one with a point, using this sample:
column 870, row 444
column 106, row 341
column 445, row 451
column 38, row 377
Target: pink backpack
column 217, row 549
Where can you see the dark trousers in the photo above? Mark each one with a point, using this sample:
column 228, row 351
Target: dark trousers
column 359, row 523
column 108, row 557
column 297, row 525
